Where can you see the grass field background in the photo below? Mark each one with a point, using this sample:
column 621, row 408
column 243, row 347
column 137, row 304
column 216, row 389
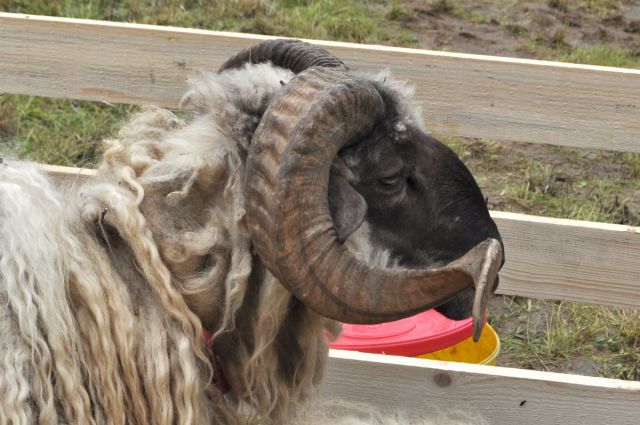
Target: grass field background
column 536, row 179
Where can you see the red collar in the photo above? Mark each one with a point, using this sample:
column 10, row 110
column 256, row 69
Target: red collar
column 219, row 379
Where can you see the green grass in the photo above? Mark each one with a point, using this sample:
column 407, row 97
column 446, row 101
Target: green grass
column 478, row 17
column 399, row 12
column 455, row 8
column 556, row 335
column 559, row 183
column 603, row 55
column 56, row 131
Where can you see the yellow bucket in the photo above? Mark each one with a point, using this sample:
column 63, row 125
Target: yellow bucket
column 484, row 352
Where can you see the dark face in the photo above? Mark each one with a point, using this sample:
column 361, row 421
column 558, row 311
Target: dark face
column 422, row 202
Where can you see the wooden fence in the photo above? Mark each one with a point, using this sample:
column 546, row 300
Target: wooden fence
column 465, row 95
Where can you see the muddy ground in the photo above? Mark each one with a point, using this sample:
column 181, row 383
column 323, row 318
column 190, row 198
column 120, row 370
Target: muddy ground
column 509, row 28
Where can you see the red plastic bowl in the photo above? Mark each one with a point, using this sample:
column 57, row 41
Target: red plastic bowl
column 420, row 334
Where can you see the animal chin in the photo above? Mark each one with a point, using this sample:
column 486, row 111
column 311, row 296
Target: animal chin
column 460, row 306
column 472, row 301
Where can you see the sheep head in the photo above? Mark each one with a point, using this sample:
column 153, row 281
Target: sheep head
column 338, row 148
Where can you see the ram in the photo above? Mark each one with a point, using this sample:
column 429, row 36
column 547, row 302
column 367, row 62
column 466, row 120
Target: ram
column 198, row 277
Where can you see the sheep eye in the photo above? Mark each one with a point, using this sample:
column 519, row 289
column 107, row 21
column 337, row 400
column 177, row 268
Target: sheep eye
column 390, row 181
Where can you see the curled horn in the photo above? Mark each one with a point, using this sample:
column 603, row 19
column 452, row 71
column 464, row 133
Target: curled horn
column 294, row 55
column 286, row 188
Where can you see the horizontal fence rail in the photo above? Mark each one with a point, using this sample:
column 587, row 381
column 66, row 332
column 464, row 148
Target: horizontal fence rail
column 547, row 258
column 581, row 261
column 500, row 395
column 464, row 95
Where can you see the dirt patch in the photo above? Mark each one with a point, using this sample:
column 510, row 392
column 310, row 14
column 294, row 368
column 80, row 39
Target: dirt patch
column 580, row 366
column 491, row 27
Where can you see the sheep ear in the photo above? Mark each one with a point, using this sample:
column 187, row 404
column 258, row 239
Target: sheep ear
column 346, row 206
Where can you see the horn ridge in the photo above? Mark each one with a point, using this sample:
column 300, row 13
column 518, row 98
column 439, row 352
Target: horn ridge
column 294, row 55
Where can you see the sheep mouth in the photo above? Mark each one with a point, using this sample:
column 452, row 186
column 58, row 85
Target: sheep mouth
column 460, row 307
column 474, row 300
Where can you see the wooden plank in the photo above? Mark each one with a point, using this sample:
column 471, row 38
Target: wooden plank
column 461, row 94
column 500, row 395
column 571, row 260
column 548, row 258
